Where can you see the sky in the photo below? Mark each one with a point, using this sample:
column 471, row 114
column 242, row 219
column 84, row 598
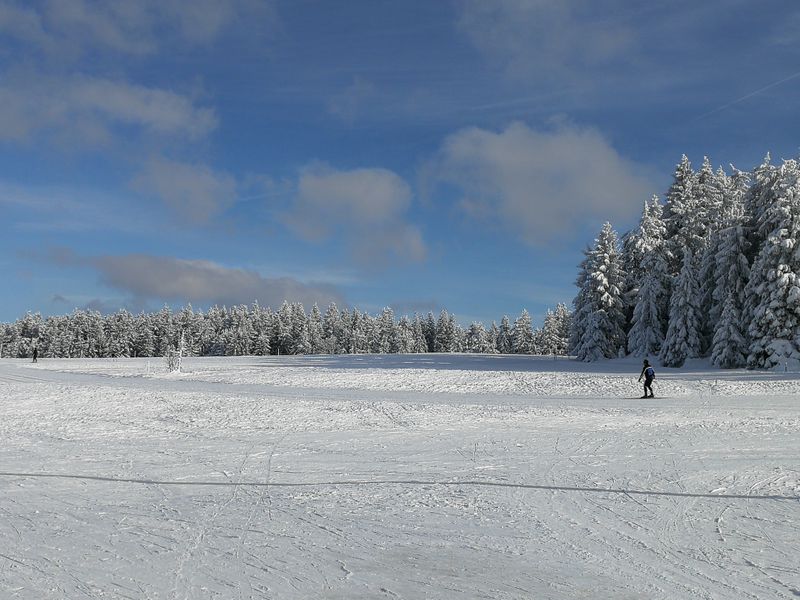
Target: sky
column 421, row 155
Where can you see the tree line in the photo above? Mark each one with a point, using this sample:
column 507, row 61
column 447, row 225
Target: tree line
column 710, row 271
column 254, row 330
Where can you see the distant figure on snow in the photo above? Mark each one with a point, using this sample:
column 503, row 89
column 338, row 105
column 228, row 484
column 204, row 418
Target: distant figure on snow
column 35, row 353
column 649, row 374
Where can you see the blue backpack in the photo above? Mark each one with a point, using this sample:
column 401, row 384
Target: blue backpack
column 649, row 373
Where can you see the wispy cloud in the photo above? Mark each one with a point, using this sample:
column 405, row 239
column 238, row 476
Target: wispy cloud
column 75, row 27
column 167, row 279
column 787, row 30
column 541, row 38
column 23, row 23
column 200, row 281
column 540, row 185
column 348, row 103
column 194, row 192
column 367, row 207
column 93, row 110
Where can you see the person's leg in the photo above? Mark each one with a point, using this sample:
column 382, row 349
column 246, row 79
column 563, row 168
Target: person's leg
column 649, row 386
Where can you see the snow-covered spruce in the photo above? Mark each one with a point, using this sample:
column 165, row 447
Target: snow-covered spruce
column 732, row 270
column 647, row 334
column 252, row 330
column 775, row 326
column 555, row 331
column 682, row 340
column 522, row 335
column 729, row 348
column 678, row 212
column 649, row 236
column 646, row 257
column 726, row 223
column 599, row 317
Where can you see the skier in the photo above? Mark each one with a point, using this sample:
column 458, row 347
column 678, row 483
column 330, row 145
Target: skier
column 35, row 353
column 649, row 374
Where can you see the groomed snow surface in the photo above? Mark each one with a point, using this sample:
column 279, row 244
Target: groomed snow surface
column 425, row 476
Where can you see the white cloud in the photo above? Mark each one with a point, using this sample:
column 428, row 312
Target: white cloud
column 540, row 185
column 202, row 282
column 202, row 21
column 90, row 109
column 367, row 206
column 787, row 30
column 159, row 110
column 546, row 38
column 23, row 24
column 347, row 104
column 74, row 27
column 119, row 26
column 194, row 192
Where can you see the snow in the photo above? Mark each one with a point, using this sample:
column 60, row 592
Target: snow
column 402, row 476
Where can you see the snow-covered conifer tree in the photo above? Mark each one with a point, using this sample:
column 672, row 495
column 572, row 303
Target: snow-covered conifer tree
column 420, row 342
column 647, row 333
column 361, row 332
column 648, row 237
column 599, row 318
column 522, row 334
column 98, row 343
column 190, row 323
column 385, row 333
column 445, row 336
column 475, row 340
column 563, row 321
column 458, row 335
column 315, row 344
column 729, row 347
column 547, row 341
column 119, row 333
column 775, row 285
column 211, row 331
column 283, row 332
column 504, row 336
column 164, row 331
column 732, row 275
column 261, row 343
column 757, row 200
column 403, row 336
column 538, row 341
column 713, row 203
column 582, row 303
column 708, row 189
column 492, row 334
column 429, row 328
column 143, row 342
column 331, row 329
column 677, row 211
column 683, row 340
column 299, row 329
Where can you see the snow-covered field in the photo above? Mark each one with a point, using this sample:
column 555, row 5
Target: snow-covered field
column 396, row 477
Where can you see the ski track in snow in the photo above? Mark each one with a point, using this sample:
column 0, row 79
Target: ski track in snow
column 436, row 476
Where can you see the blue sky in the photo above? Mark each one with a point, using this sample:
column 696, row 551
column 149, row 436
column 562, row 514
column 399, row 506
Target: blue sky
column 421, row 155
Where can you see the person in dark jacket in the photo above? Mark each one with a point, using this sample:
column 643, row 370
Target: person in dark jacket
column 649, row 374
column 35, row 353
